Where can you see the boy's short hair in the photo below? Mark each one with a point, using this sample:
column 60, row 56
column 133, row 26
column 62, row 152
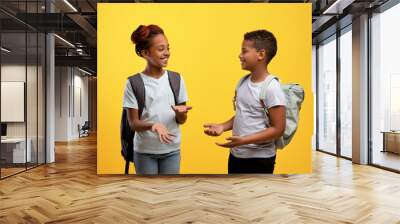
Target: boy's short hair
column 263, row 39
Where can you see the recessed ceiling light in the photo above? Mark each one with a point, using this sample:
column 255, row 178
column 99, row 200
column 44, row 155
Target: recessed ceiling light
column 5, row 50
column 337, row 7
column 70, row 5
column 64, row 40
column 84, row 71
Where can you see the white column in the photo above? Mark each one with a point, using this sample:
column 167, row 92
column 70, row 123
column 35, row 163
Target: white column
column 360, row 90
column 50, row 93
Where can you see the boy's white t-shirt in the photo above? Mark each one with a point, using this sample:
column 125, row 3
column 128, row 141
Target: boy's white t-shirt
column 159, row 98
column 250, row 117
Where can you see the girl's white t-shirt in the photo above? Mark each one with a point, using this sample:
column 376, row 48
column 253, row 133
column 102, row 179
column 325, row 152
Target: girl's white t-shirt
column 159, row 98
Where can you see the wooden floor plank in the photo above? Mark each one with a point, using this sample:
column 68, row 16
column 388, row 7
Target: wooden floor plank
column 70, row 191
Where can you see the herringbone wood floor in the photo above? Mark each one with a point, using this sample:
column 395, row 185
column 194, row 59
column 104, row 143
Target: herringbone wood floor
column 70, row 191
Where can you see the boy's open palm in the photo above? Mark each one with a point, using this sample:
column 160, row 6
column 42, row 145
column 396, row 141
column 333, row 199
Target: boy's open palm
column 213, row 129
column 232, row 142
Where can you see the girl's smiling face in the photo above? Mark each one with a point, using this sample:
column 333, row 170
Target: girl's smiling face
column 250, row 56
column 158, row 53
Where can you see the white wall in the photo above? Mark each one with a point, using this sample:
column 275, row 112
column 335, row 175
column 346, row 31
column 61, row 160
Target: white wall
column 81, row 84
column 61, row 103
column 13, row 73
column 71, row 94
column 12, row 101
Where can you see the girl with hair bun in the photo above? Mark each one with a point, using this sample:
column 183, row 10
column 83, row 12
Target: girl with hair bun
column 156, row 123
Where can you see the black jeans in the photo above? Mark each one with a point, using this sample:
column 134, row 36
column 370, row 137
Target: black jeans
column 250, row 165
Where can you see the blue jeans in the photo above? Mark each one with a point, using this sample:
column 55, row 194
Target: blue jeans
column 167, row 163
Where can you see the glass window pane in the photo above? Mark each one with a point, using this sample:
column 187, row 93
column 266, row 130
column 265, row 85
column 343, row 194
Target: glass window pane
column 346, row 94
column 385, row 89
column 31, row 97
column 327, row 96
column 22, row 87
column 13, row 86
column 41, row 98
column 32, row 85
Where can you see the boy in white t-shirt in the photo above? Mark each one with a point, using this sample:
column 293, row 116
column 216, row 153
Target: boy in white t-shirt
column 252, row 146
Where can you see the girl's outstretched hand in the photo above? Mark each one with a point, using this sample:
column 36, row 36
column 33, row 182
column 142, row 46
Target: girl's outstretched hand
column 181, row 109
column 163, row 133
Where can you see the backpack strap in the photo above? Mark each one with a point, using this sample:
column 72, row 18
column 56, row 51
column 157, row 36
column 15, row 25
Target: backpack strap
column 279, row 143
column 175, row 83
column 138, row 89
column 241, row 81
column 263, row 91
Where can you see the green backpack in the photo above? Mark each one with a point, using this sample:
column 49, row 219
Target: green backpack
column 294, row 98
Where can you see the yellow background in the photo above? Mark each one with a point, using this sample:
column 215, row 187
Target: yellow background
column 205, row 42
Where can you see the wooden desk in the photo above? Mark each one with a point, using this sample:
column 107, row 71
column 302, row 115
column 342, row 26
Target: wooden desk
column 391, row 141
column 13, row 150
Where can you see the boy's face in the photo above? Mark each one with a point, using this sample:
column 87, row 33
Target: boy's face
column 250, row 56
column 158, row 52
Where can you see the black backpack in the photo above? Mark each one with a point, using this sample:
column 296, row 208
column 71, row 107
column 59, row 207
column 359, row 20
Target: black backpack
column 127, row 134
